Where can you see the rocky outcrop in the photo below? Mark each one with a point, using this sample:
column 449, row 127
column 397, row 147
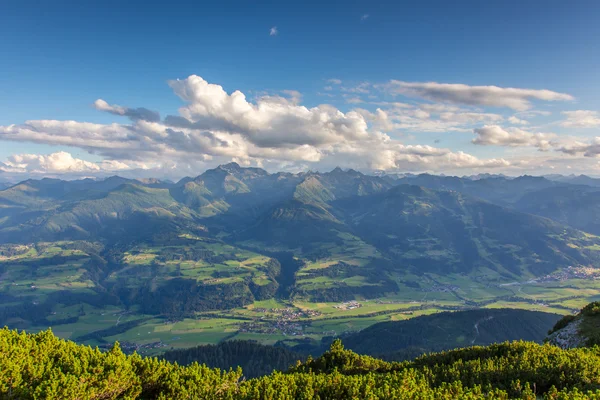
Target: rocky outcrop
column 568, row 337
column 581, row 330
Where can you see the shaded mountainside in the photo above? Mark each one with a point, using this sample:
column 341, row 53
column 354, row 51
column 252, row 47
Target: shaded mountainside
column 569, row 200
column 339, row 184
column 441, row 231
column 294, row 224
column 578, row 207
column 400, row 340
column 98, row 215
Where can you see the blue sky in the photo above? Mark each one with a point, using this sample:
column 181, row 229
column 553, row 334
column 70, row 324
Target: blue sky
column 60, row 57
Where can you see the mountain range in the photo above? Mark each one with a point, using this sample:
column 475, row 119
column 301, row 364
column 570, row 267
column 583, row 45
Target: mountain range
column 175, row 248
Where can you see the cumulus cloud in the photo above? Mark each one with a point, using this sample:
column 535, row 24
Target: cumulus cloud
column 576, row 147
column 364, row 17
column 273, row 31
column 132, row 113
column 294, row 96
column 334, row 81
column 266, row 123
column 515, row 137
column 494, row 135
column 380, row 152
column 581, row 119
column 517, row 99
column 216, row 126
column 60, row 162
column 427, row 158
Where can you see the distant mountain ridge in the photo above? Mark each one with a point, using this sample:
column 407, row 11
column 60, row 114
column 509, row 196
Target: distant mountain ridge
column 250, row 203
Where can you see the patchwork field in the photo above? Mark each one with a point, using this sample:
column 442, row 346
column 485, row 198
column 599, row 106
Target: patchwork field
column 204, row 261
column 61, row 285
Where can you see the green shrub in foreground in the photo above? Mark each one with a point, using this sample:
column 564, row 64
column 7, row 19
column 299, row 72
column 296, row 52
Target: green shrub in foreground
column 42, row 366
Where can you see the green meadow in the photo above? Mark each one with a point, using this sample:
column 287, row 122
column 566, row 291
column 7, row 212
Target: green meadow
column 60, row 279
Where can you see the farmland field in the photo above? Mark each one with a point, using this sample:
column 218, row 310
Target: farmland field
column 62, row 288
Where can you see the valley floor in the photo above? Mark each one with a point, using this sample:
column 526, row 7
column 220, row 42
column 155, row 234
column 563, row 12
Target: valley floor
column 271, row 320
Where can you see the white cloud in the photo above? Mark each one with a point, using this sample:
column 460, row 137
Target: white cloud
column 294, row 96
column 532, row 114
column 132, row 113
column 469, row 117
column 581, row 119
column 517, row 99
column 273, row 31
column 364, row 17
column 439, row 107
column 576, row 147
column 517, row 121
column 494, row 135
column 84, row 135
column 267, row 123
column 60, row 162
column 515, row 137
column 334, row 81
column 214, row 126
column 422, row 118
column 396, row 156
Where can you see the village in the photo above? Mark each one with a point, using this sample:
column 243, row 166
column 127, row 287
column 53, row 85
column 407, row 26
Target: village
column 571, row 273
column 348, row 305
column 130, row 347
column 287, row 313
column 285, row 321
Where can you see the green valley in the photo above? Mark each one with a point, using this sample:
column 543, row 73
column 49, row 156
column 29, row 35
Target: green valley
column 241, row 254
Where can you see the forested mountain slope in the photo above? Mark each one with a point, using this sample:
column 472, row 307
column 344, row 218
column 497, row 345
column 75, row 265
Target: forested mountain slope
column 399, row 340
column 254, row 359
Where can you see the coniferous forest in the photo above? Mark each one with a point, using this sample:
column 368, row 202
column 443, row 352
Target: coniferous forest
column 42, row 366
